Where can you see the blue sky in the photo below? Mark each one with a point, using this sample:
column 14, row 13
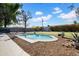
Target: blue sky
column 51, row 13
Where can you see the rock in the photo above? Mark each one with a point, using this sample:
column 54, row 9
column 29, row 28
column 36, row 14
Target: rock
column 68, row 44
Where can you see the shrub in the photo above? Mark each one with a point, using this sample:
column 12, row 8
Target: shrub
column 72, row 28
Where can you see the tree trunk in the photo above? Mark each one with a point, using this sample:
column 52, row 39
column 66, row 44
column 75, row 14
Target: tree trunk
column 4, row 23
column 25, row 24
column 25, row 27
column 42, row 26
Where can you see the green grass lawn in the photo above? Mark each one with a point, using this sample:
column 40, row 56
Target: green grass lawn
column 67, row 34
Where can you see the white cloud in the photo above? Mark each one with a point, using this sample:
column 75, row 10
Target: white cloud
column 45, row 18
column 71, row 16
column 39, row 13
column 57, row 10
column 68, row 15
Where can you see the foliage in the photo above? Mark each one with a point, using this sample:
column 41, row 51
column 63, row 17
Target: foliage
column 1, row 23
column 68, row 28
column 77, row 11
column 76, row 37
column 25, row 17
column 8, row 12
column 37, row 28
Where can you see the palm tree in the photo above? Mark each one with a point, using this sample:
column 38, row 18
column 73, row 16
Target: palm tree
column 8, row 13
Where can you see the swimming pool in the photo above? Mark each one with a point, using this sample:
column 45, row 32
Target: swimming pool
column 37, row 37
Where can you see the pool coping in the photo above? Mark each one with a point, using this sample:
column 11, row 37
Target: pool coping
column 33, row 41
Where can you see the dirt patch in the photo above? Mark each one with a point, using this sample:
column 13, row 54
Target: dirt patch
column 53, row 48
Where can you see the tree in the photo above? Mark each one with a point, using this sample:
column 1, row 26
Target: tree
column 75, row 34
column 77, row 11
column 42, row 24
column 25, row 17
column 8, row 12
column 71, row 6
column 75, row 22
column 1, row 23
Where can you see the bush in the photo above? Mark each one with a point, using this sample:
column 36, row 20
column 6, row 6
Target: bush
column 37, row 28
column 71, row 28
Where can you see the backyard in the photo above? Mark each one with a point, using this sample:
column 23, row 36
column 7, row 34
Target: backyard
column 54, row 48
column 40, row 29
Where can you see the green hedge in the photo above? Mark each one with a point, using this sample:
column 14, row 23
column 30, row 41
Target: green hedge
column 72, row 28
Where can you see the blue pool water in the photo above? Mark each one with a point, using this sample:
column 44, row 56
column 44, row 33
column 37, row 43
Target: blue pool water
column 36, row 36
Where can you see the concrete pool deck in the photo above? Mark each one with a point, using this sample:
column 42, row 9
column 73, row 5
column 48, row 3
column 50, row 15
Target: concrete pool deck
column 9, row 48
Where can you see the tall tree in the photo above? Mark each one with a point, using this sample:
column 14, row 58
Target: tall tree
column 25, row 17
column 8, row 12
column 76, row 9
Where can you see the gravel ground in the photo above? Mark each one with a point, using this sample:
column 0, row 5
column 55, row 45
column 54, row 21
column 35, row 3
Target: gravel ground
column 54, row 48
